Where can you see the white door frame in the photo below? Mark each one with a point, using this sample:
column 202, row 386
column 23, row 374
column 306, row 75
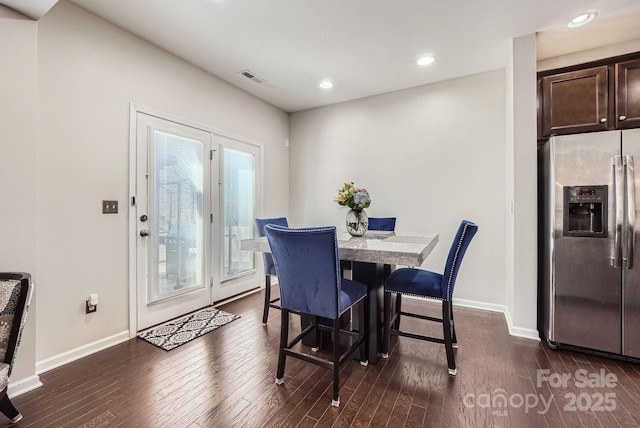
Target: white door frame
column 215, row 268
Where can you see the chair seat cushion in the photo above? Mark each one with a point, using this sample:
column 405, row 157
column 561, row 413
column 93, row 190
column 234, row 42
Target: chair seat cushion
column 417, row 282
column 351, row 292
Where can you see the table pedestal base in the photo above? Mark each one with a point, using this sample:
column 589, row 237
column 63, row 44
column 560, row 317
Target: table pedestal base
column 373, row 275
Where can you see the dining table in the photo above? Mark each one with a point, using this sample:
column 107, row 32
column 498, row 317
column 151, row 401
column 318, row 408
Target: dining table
column 371, row 259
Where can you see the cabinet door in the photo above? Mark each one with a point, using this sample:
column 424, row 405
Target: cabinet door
column 628, row 94
column 576, row 101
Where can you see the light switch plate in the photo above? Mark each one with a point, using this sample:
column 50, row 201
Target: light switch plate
column 109, row 207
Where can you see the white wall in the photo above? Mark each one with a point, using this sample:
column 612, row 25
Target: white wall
column 430, row 155
column 522, row 212
column 89, row 71
column 581, row 57
column 18, row 124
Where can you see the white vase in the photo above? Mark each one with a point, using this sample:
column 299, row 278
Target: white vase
column 357, row 222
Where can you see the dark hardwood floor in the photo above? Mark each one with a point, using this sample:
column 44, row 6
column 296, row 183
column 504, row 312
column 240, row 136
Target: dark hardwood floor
column 226, row 379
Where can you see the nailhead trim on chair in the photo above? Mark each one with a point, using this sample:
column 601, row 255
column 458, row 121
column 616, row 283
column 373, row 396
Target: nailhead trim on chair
column 453, row 265
column 455, row 260
column 415, row 295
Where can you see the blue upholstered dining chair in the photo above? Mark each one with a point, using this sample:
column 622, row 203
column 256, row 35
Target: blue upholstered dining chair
column 423, row 283
column 269, row 268
column 15, row 294
column 382, row 223
column 307, row 264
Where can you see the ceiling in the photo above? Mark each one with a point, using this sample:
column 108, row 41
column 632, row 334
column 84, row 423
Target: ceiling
column 365, row 47
column 32, row 8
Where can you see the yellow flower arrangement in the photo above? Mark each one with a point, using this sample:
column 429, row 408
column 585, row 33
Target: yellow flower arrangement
column 353, row 197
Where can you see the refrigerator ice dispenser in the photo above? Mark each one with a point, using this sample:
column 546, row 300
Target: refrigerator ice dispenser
column 585, row 211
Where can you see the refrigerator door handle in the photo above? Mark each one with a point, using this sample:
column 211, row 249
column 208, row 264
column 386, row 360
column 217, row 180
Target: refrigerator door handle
column 618, row 185
column 630, row 203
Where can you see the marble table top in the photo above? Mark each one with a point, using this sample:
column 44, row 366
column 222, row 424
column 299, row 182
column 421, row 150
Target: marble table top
column 374, row 247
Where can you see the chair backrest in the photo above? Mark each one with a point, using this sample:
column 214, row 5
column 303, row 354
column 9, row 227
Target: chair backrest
column 15, row 294
column 269, row 268
column 382, row 223
column 308, row 269
column 466, row 231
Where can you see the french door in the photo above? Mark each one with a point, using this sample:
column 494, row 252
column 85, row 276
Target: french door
column 194, row 198
column 240, row 166
column 173, row 219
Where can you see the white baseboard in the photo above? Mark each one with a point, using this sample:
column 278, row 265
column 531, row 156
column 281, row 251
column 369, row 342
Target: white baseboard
column 526, row 333
column 492, row 307
column 83, row 351
column 23, row 385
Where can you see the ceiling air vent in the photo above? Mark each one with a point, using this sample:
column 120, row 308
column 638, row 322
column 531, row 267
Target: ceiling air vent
column 249, row 75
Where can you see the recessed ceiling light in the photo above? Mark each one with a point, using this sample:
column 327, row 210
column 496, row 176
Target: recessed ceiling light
column 582, row 19
column 326, row 84
column 426, row 60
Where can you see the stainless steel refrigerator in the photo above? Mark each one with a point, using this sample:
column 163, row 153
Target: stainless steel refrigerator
column 590, row 221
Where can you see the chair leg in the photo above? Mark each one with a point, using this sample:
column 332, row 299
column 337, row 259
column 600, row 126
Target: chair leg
column 318, row 335
column 6, row 407
column 335, row 401
column 267, row 299
column 363, row 330
column 386, row 324
column 284, row 338
column 398, row 310
column 448, row 342
column 454, row 339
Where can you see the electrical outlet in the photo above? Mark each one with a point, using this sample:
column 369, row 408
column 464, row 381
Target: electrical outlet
column 109, row 207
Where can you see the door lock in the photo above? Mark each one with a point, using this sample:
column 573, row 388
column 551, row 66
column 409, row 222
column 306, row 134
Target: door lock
column 144, row 232
column 143, row 217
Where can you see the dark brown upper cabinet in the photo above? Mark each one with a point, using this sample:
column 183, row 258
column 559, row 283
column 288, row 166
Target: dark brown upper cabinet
column 628, row 94
column 575, row 101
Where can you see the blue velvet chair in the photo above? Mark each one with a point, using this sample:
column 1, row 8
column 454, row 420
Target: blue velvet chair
column 307, row 264
column 423, row 283
column 382, row 223
column 15, row 294
column 269, row 268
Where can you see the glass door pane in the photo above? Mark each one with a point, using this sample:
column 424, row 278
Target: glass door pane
column 239, row 210
column 178, row 208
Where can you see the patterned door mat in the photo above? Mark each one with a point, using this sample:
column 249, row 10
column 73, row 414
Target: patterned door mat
column 180, row 331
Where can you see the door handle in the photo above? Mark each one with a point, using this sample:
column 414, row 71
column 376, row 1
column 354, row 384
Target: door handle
column 618, row 185
column 144, row 232
column 630, row 221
